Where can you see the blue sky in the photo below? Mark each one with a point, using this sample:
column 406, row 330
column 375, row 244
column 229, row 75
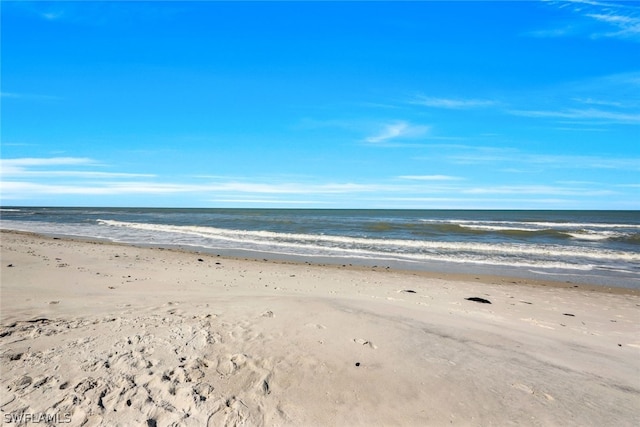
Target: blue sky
column 505, row 105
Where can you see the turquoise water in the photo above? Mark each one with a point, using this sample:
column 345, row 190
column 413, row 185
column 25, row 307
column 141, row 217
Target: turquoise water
column 598, row 247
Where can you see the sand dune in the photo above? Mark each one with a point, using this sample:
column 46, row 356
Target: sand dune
column 104, row 334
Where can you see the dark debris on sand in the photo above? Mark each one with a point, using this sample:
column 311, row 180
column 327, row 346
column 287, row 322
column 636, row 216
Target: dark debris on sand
column 478, row 299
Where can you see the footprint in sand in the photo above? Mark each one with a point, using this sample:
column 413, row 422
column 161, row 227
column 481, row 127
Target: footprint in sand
column 525, row 388
column 315, row 325
column 362, row 341
column 6, row 399
column 230, row 411
column 20, row 383
column 227, row 366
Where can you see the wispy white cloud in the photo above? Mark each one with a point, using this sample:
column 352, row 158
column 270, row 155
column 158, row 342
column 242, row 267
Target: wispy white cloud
column 585, row 162
column 21, row 165
column 615, row 19
column 94, row 13
column 580, row 128
column 73, row 174
column 431, row 177
column 58, row 175
column 28, row 96
column 397, row 130
column 41, row 168
column 272, row 202
column 590, row 3
column 290, row 188
column 514, row 157
column 248, row 191
column 597, row 103
column 600, row 20
column 625, row 26
column 612, row 86
column 582, row 114
column 11, row 189
column 538, row 190
column 389, row 132
column 36, row 179
column 452, row 103
column 484, row 202
column 19, row 189
column 52, row 16
column 591, row 101
column 46, row 161
column 33, row 178
column 553, row 32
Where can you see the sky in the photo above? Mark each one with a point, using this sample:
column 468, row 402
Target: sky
column 417, row 105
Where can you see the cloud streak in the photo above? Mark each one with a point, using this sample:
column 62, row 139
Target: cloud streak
column 34, row 179
column 43, row 176
column 28, row 96
column 547, row 160
column 33, row 167
column 588, row 114
column 248, row 191
column 20, row 165
column 538, row 190
column 611, row 20
column 397, row 130
column 450, row 103
column 431, row 178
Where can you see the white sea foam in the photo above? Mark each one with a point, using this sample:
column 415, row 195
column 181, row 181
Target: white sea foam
column 595, row 235
column 539, row 224
column 405, row 247
column 587, row 254
column 581, row 231
column 500, row 228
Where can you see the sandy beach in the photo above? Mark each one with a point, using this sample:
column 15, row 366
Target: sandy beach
column 105, row 334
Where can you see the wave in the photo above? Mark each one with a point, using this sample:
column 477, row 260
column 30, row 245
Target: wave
column 566, row 231
column 633, row 239
column 313, row 247
column 528, row 225
column 595, row 236
column 402, row 247
column 500, row 228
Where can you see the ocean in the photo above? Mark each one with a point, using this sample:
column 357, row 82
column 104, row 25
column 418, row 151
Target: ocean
column 594, row 247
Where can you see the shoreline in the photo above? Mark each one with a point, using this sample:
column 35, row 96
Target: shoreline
column 104, row 333
column 458, row 277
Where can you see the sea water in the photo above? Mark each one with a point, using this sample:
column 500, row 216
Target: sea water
column 596, row 247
